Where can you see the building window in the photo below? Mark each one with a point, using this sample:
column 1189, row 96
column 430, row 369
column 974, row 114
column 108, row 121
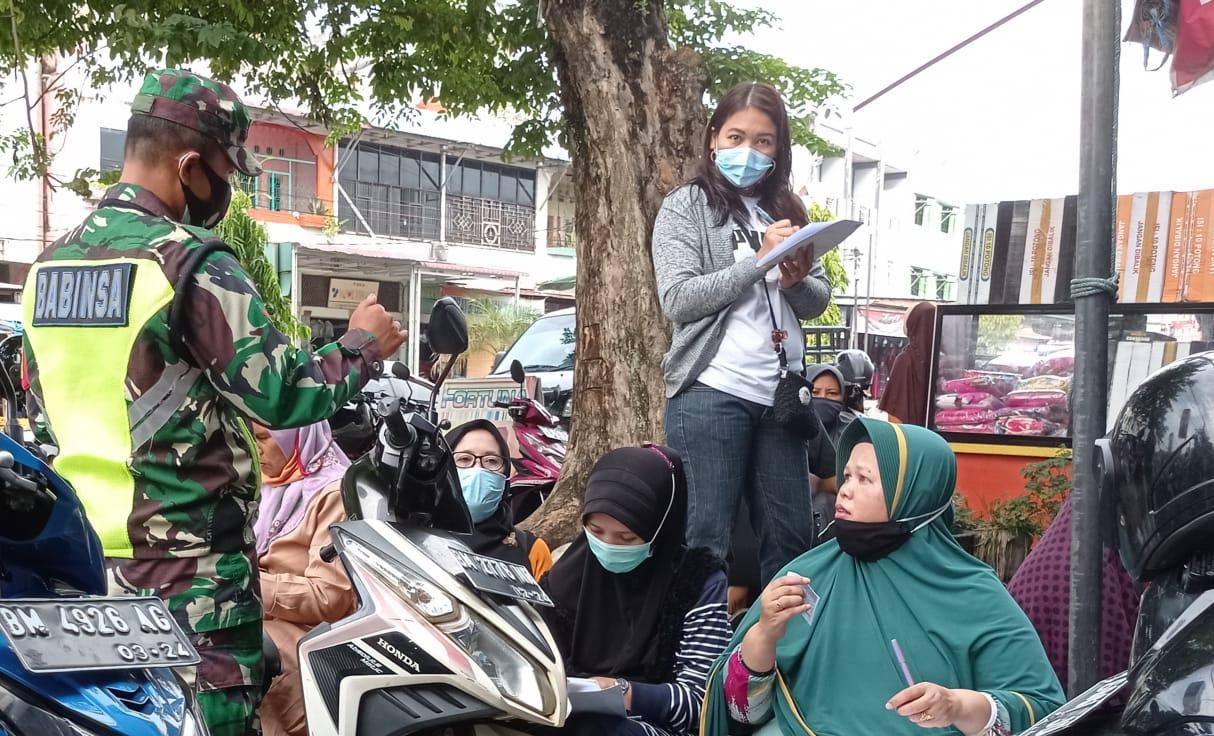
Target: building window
column 948, row 217
column 288, row 177
column 920, row 282
column 397, row 192
column 920, row 209
column 278, row 191
column 247, row 184
column 112, row 144
column 945, row 286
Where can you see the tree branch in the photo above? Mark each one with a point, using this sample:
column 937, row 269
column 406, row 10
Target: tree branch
column 25, row 85
column 59, row 76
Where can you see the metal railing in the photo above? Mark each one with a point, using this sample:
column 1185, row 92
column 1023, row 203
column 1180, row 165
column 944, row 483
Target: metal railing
column 823, row 344
column 414, row 213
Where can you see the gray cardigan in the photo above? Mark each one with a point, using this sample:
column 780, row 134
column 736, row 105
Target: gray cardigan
column 698, row 281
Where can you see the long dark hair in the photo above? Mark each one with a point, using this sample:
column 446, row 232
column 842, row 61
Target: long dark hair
column 774, row 190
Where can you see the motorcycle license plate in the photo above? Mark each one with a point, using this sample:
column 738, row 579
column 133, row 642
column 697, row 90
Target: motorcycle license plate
column 555, row 433
column 491, row 575
column 1079, row 708
column 69, row 634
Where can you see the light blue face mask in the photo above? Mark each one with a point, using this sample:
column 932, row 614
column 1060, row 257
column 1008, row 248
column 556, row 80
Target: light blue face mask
column 743, row 166
column 622, row 558
column 483, row 490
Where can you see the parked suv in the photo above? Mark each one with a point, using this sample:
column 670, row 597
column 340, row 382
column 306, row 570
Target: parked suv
column 546, row 351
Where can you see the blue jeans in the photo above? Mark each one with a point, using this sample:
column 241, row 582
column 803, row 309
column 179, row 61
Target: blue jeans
column 733, row 449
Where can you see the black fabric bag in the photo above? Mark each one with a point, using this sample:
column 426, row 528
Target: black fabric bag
column 792, row 405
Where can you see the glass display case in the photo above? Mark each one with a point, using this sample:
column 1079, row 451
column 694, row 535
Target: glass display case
column 1004, row 373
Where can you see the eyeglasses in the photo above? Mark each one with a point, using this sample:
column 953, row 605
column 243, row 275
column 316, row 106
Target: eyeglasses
column 492, row 463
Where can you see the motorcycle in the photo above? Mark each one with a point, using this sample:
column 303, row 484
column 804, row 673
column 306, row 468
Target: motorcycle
column 443, row 638
column 1169, row 688
column 356, row 425
column 73, row 661
column 542, row 444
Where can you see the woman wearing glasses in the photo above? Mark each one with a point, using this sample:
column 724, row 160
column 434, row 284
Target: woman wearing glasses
column 482, row 459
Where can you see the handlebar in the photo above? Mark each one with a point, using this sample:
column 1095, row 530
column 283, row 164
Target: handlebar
column 501, row 404
column 13, row 479
column 399, row 433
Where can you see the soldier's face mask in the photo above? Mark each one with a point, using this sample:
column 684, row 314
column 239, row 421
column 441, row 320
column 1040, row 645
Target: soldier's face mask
column 204, row 212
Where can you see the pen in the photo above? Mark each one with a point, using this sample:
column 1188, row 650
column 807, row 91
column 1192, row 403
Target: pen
column 910, row 681
column 764, row 218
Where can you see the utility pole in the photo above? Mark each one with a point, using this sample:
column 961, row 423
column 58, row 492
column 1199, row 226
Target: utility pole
column 1093, row 260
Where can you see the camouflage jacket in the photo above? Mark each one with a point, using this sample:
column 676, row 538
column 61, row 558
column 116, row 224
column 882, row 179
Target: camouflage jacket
column 196, row 478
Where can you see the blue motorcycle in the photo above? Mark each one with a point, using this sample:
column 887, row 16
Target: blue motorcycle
column 74, row 662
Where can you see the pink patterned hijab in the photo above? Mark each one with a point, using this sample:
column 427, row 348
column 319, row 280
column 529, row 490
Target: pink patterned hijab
column 321, row 464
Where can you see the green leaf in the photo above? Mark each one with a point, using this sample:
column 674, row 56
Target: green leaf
column 248, row 239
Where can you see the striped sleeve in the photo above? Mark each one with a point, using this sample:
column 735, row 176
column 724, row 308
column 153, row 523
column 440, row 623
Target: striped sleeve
column 675, row 706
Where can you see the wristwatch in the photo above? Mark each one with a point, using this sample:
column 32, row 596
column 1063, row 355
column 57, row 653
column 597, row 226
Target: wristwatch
column 623, row 685
column 352, row 345
column 353, row 342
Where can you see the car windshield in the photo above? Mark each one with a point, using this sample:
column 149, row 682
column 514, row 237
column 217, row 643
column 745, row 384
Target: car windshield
column 547, row 345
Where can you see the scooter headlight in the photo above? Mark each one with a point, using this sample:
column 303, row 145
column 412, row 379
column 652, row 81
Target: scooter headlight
column 422, row 595
column 516, row 676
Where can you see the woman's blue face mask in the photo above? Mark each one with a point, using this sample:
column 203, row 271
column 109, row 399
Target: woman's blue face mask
column 743, row 166
column 622, row 558
column 618, row 558
column 483, row 490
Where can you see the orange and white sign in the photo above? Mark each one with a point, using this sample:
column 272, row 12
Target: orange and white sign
column 348, row 293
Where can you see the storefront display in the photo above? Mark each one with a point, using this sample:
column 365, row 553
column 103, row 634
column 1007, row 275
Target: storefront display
column 1004, row 374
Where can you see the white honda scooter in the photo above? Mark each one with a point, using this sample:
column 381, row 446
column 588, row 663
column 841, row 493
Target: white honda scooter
column 444, row 640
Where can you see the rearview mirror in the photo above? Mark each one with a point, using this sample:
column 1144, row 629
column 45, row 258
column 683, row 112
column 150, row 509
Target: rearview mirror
column 447, row 331
column 517, row 373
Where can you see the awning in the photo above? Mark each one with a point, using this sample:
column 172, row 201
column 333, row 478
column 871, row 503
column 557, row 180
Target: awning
column 336, row 259
column 561, row 283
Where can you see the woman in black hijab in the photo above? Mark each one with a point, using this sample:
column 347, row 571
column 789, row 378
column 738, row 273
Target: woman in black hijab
column 635, row 608
column 482, row 459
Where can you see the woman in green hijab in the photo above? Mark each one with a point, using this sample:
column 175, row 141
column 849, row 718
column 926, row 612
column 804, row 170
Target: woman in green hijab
column 966, row 658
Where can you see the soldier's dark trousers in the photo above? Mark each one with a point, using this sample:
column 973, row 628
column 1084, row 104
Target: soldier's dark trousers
column 227, row 683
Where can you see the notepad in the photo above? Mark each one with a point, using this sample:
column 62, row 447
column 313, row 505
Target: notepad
column 586, row 696
column 822, row 237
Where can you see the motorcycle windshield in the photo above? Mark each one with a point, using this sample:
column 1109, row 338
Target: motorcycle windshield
column 47, row 548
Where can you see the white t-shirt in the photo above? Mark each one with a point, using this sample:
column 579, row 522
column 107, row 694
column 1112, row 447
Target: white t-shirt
column 746, row 364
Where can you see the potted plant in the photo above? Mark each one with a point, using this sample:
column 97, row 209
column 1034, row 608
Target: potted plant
column 1004, row 539
column 965, row 525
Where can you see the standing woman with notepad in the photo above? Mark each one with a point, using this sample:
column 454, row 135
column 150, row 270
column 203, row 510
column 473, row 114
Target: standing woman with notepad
column 722, row 370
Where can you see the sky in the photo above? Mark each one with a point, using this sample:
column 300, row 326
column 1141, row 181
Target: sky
column 999, row 119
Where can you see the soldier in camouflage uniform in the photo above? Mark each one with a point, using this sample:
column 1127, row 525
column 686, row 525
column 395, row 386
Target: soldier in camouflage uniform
column 148, row 349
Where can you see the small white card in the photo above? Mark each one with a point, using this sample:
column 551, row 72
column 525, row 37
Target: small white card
column 811, row 598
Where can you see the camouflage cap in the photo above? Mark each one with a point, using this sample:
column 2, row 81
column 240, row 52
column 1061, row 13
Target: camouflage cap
column 209, row 107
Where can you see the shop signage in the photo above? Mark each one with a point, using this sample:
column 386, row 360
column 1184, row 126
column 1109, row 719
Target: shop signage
column 348, row 293
column 464, row 399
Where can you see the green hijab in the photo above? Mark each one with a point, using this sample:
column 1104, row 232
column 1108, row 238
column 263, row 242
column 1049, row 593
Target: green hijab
column 955, row 622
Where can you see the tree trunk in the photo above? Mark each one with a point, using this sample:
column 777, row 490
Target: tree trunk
column 635, row 116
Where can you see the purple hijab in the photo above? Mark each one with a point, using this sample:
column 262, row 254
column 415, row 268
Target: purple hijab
column 322, row 463
column 1042, row 588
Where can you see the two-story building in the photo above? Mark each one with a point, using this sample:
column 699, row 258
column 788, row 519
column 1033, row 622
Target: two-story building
column 410, row 214
column 911, row 243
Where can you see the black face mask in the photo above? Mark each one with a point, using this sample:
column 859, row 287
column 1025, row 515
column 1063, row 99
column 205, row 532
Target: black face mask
column 869, row 541
column 828, row 411
column 207, row 212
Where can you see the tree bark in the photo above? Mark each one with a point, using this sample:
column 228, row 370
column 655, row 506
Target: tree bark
column 635, row 117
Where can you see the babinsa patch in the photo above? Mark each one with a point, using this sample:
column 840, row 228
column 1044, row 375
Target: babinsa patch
column 83, row 296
